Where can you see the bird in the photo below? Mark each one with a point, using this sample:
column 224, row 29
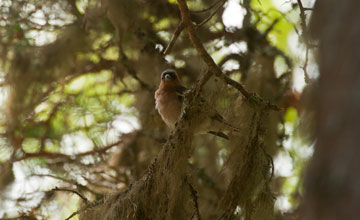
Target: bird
column 169, row 98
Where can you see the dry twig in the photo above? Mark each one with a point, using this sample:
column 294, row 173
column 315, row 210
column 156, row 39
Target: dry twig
column 195, row 200
column 61, row 155
column 73, row 191
column 175, row 36
column 304, row 35
column 209, row 8
column 211, row 15
column 181, row 25
column 213, row 68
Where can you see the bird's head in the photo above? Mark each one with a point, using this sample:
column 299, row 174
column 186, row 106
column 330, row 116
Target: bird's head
column 169, row 75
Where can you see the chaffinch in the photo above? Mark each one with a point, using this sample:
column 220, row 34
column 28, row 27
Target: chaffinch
column 169, row 103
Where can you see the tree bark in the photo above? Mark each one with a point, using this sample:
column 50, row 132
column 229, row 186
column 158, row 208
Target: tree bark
column 332, row 180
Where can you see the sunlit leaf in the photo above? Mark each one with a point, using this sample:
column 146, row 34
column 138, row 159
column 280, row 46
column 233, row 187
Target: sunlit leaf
column 291, row 115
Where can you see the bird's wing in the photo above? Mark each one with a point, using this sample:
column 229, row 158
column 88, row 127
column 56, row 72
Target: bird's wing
column 156, row 96
column 180, row 90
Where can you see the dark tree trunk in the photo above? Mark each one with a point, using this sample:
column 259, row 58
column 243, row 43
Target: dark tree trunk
column 332, row 184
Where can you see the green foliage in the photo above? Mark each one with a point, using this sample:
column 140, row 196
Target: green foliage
column 267, row 15
column 291, row 115
column 31, row 145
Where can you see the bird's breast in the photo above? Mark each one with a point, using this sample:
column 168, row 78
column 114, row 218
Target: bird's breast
column 169, row 108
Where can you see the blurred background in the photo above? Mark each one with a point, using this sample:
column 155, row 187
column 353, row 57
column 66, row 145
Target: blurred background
column 77, row 113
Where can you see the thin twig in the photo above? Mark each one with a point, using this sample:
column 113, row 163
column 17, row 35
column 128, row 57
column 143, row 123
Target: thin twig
column 270, row 162
column 308, row 9
column 302, row 15
column 195, row 200
column 202, row 82
column 209, row 8
column 72, row 182
column 73, row 191
column 123, row 59
column 211, row 15
column 213, row 68
column 72, row 215
column 88, row 206
column 271, row 27
column 306, row 75
column 61, row 155
column 304, row 35
column 174, row 37
column 195, row 40
column 233, row 56
column 181, row 25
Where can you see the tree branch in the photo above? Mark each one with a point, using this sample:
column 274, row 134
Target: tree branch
column 61, row 155
column 213, row 68
column 73, row 191
column 181, row 25
column 195, row 200
column 209, row 8
column 304, row 35
column 211, row 15
column 175, row 36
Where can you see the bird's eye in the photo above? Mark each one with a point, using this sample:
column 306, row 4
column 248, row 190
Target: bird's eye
column 168, row 76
